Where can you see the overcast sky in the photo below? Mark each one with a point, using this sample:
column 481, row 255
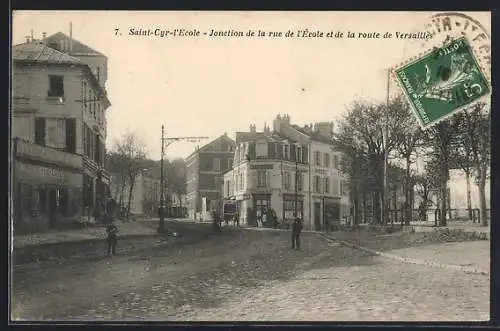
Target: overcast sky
column 207, row 86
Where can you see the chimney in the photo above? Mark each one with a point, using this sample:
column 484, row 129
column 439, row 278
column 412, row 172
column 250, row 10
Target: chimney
column 27, row 39
column 252, row 128
column 44, row 36
column 32, row 35
column 70, row 36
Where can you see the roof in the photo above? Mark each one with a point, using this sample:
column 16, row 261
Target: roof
column 37, row 52
column 198, row 150
column 313, row 135
column 40, row 53
column 268, row 136
column 77, row 47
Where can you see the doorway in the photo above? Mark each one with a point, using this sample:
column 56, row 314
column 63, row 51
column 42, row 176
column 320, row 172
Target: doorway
column 317, row 216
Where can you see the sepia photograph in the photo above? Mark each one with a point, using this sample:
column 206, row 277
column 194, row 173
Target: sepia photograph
column 262, row 166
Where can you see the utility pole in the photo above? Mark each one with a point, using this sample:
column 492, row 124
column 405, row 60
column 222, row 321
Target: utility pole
column 165, row 142
column 384, row 210
column 296, row 185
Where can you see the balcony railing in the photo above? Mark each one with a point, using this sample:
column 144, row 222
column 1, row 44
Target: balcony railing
column 47, row 154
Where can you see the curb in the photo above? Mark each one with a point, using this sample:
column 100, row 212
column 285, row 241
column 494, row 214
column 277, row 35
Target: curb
column 411, row 260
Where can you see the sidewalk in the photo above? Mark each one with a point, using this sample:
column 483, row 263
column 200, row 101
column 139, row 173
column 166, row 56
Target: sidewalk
column 452, row 225
column 132, row 229
column 465, row 256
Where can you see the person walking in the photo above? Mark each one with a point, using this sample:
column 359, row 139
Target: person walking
column 296, row 230
column 112, row 238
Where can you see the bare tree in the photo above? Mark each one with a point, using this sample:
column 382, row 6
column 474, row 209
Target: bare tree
column 365, row 124
column 477, row 126
column 409, row 142
column 440, row 140
column 131, row 152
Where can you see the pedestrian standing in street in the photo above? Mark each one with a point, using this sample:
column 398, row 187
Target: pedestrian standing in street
column 112, row 238
column 296, row 229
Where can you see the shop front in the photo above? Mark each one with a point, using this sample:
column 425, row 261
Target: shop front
column 45, row 195
column 331, row 213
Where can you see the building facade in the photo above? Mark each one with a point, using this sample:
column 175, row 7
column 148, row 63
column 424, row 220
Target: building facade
column 145, row 197
column 291, row 170
column 58, row 135
column 205, row 169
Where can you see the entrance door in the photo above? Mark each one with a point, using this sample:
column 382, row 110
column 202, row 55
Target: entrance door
column 52, row 206
column 317, row 216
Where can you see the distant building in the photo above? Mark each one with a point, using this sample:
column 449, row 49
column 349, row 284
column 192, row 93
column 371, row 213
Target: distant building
column 59, row 133
column 205, row 168
column 145, row 199
column 290, row 170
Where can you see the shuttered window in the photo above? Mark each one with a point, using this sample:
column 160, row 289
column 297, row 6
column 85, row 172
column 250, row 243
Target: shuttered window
column 40, row 131
column 71, row 135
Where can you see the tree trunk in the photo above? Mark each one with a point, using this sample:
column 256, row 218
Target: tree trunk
column 407, row 209
column 377, row 207
column 425, row 203
column 443, row 203
column 482, row 199
column 364, row 207
column 469, row 200
column 132, row 182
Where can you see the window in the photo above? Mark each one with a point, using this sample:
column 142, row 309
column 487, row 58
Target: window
column 336, row 161
column 287, row 152
column 241, row 182
column 327, row 185
column 261, row 206
column 299, row 181
column 317, row 158
column 90, row 102
column 56, row 86
column 229, row 163
column 326, row 160
column 95, row 108
column 216, row 164
column 335, row 187
column 287, row 181
column 261, row 150
column 299, row 154
column 261, row 178
column 40, row 131
column 84, row 96
column 317, row 184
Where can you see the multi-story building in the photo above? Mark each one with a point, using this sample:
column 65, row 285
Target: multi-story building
column 290, row 169
column 59, row 133
column 205, row 168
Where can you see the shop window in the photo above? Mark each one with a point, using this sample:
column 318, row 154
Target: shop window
column 56, row 86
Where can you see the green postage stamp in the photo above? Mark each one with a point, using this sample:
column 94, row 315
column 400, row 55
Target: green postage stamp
column 442, row 82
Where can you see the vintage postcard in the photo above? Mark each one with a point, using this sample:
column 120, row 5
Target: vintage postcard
column 250, row 166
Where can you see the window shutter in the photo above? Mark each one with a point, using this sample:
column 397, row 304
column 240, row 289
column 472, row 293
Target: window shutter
column 40, row 131
column 71, row 135
column 293, row 152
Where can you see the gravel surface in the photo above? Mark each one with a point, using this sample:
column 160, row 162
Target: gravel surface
column 251, row 275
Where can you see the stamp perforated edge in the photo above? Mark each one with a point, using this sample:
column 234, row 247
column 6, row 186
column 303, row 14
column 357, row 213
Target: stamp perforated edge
column 412, row 59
